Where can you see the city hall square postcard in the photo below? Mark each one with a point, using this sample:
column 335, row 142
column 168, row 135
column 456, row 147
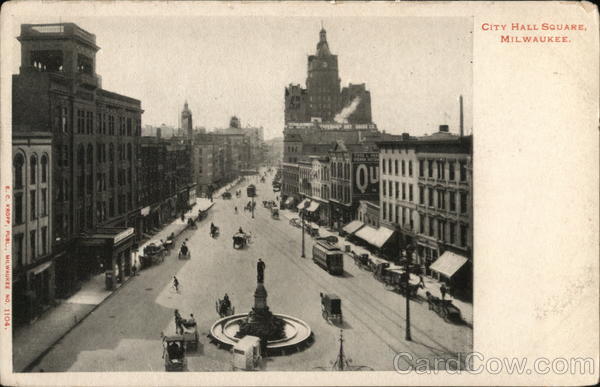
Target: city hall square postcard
column 299, row 193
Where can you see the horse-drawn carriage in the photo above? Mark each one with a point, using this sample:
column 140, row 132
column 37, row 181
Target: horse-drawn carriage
column 251, row 190
column 396, row 281
column 331, row 308
column 153, row 254
column 361, row 260
column 226, row 195
column 174, row 353
column 224, row 308
column 274, row 212
column 184, row 254
column 189, row 332
column 312, row 229
column 240, row 240
column 269, row 203
column 444, row 308
column 191, row 223
column 214, row 231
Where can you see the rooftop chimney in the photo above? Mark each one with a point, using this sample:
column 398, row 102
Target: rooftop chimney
column 444, row 128
column 158, row 132
column 461, row 115
column 405, row 136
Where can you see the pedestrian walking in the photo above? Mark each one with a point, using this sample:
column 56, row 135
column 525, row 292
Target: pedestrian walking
column 176, row 285
column 421, row 281
column 443, row 290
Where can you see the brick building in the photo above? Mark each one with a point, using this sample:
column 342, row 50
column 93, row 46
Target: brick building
column 437, row 218
column 33, row 263
column 95, row 148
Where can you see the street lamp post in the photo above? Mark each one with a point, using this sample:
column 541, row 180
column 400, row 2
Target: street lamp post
column 408, row 257
column 302, row 217
column 252, row 207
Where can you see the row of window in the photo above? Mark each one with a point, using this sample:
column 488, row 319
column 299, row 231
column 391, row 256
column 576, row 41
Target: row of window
column 431, row 226
column 103, row 124
column 340, row 192
column 34, row 211
column 386, row 167
column 33, row 245
column 18, row 170
column 437, row 198
column 387, row 190
column 444, row 170
column 340, row 170
column 443, row 199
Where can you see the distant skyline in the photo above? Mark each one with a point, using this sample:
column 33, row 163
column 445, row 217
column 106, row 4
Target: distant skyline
column 415, row 68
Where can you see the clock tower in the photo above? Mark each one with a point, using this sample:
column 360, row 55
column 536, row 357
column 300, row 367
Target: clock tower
column 323, row 82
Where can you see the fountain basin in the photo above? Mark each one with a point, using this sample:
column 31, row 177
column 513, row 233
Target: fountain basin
column 298, row 334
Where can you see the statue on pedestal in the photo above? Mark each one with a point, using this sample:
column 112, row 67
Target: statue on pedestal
column 260, row 271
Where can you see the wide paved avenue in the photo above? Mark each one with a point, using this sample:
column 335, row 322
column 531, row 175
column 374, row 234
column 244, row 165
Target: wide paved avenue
column 124, row 333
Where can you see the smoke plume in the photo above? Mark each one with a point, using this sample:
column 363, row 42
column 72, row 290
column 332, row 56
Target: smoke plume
column 342, row 117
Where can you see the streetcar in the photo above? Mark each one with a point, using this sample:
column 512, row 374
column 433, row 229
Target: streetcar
column 329, row 257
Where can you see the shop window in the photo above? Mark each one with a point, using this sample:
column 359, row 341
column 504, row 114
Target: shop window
column 463, row 235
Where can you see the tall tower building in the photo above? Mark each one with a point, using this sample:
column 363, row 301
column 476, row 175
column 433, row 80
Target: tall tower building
column 186, row 120
column 323, row 82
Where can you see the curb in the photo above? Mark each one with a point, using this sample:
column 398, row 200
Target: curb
column 38, row 358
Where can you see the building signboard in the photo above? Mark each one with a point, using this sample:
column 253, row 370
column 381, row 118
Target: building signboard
column 122, row 235
column 365, row 175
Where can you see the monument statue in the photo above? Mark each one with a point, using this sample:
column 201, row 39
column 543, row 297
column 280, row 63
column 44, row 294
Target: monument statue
column 260, row 271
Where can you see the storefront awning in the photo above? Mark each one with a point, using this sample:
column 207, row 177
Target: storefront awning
column 375, row 236
column 303, row 204
column 448, row 264
column 353, row 226
column 42, row 267
column 313, row 207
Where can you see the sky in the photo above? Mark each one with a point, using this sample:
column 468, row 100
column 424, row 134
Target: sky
column 414, row 67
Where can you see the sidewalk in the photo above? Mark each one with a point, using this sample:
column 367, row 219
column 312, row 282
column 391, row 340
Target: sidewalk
column 431, row 285
column 32, row 340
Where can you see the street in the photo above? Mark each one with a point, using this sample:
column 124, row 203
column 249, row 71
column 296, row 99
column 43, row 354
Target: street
column 124, row 333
